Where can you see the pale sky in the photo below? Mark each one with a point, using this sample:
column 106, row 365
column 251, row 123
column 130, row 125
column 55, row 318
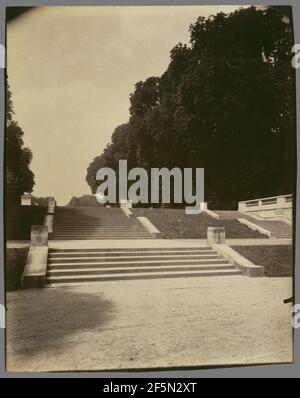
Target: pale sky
column 71, row 70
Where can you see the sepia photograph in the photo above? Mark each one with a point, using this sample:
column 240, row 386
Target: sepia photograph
column 149, row 187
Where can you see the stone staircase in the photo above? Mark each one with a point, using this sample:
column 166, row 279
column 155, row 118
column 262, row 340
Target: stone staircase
column 96, row 223
column 81, row 266
column 279, row 229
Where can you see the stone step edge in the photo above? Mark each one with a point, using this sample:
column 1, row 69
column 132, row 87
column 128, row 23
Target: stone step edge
column 138, row 256
column 158, row 274
column 215, row 258
column 168, row 268
column 133, row 249
column 131, row 254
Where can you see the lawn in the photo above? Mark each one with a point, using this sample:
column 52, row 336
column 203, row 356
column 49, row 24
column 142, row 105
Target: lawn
column 14, row 266
column 277, row 260
column 18, row 221
column 175, row 224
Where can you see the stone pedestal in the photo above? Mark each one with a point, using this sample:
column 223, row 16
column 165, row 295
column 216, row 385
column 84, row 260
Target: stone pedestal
column 51, row 206
column 50, row 209
column 126, row 203
column 203, row 206
column 26, row 200
column 215, row 235
column 51, row 202
column 242, row 207
column 34, row 275
column 48, row 221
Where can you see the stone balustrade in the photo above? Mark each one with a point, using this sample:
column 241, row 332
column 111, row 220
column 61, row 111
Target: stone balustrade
column 274, row 207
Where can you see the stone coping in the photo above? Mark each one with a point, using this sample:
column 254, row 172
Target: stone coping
column 239, row 261
column 15, row 244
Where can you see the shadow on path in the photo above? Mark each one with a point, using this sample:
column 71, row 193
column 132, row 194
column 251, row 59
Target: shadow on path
column 48, row 320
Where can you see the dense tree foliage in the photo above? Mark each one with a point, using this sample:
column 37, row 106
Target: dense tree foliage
column 226, row 103
column 19, row 177
column 84, row 200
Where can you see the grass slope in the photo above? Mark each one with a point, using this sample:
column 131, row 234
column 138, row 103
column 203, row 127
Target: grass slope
column 175, row 224
column 14, row 266
column 277, row 260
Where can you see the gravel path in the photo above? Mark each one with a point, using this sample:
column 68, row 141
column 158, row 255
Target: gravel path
column 149, row 324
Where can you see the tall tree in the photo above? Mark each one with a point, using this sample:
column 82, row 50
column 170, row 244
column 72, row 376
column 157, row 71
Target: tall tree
column 19, row 177
column 226, row 103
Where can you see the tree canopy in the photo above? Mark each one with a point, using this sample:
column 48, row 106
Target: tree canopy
column 225, row 103
column 19, row 177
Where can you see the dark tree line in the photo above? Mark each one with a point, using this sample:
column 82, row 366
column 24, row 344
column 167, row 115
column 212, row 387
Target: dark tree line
column 226, row 103
column 19, row 178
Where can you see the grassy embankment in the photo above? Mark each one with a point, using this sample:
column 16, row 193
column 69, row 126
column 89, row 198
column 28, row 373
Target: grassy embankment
column 18, row 223
column 175, row 224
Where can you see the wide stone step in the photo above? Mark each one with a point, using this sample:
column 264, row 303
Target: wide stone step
column 97, row 214
column 60, row 280
column 99, row 221
column 94, row 231
column 70, row 228
column 118, row 233
column 126, row 270
column 94, row 226
column 141, row 263
column 133, row 255
column 68, row 225
column 97, row 233
column 102, row 236
column 91, row 219
column 54, row 260
column 132, row 249
column 98, row 228
column 83, row 219
column 95, row 222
